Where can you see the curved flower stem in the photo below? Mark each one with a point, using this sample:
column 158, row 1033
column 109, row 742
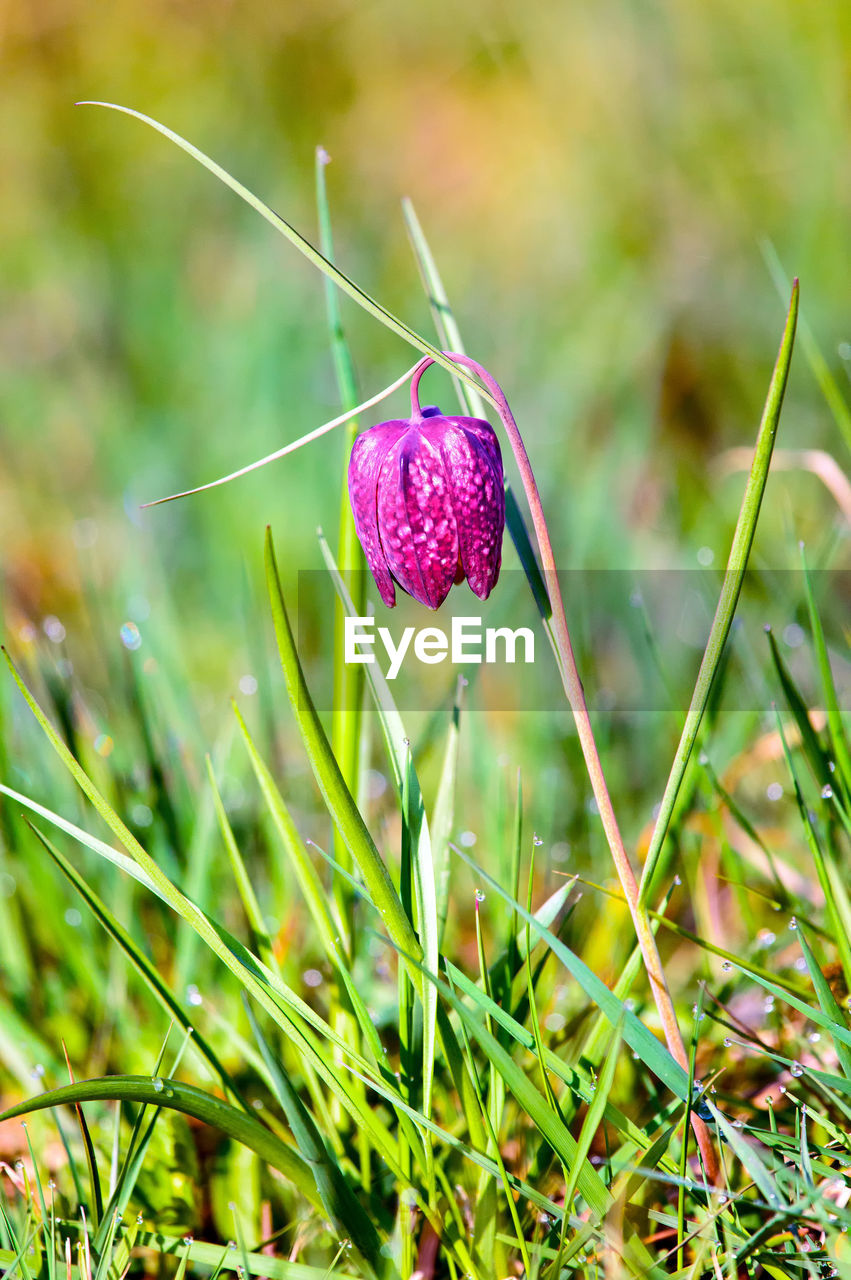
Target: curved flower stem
column 576, row 698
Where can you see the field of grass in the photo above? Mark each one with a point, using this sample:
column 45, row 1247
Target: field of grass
column 306, row 973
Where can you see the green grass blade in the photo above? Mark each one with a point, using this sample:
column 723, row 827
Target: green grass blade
column 651, row 1051
column 245, row 888
column 338, row 798
column 348, row 677
column 595, row 1114
column 835, row 720
column 443, row 814
column 407, row 783
column 141, row 964
column 828, row 1004
column 819, row 367
column 304, row 246
column 189, row 1101
column 733, row 579
column 338, row 1199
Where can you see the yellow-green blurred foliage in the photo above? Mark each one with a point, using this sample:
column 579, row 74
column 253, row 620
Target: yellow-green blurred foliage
column 595, row 180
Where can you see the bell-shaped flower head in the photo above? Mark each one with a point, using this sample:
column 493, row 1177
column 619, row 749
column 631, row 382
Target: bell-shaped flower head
column 428, row 500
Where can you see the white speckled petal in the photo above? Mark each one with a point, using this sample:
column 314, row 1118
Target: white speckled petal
column 415, row 517
column 473, row 464
column 369, row 451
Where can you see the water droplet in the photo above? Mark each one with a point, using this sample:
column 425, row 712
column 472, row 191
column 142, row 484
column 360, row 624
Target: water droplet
column 193, row 995
column 37, row 1071
column 537, row 841
column 727, row 966
column 831, row 766
column 796, row 1069
column 678, row 880
column 188, row 1240
column 814, row 1037
column 480, row 895
column 793, row 923
column 727, row 1042
column 51, row 1184
column 406, row 742
column 158, row 1084
column 629, row 1004
column 130, row 636
column 765, row 938
column 53, row 629
column 738, row 1124
column 139, row 1219
column 827, row 792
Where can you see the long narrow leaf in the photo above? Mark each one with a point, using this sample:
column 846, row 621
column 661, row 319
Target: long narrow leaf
column 733, row 578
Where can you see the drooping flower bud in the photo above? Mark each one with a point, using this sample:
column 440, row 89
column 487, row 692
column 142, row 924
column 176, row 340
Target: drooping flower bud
column 429, row 505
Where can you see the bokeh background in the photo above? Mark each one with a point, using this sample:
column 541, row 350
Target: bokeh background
column 599, row 184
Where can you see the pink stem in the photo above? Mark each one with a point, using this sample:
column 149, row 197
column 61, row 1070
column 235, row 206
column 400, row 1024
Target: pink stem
column 576, row 698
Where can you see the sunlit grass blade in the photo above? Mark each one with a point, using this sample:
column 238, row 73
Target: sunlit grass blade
column 96, row 1203
column 827, row 1002
column 312, row 254
column 837, row 901
column 655, row 1056
column 443, row 814
column 336, row 794
column 819, row 367
column 141, row 963
column 287, row 449
column 348, row 677
column 730, row 590
column 242, row 879
column 337, row 1197
column 264, row 986
column 811, row 747
column 208, row 1255
column 595, row 1114
column 190, row 1101
column 836, row 723
column 435, row 1023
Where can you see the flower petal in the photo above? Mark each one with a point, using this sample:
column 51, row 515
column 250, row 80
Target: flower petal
column 369, row 451
column 418, row 531
column 473, row 464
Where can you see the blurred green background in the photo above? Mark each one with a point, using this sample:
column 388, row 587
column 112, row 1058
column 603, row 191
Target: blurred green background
column 596, row 182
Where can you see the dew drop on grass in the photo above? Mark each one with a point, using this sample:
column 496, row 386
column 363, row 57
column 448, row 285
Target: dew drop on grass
column 193, row 995
column 480, row 895
column 814, row 1037
column 139, row 1219
column 678, row 880
column 796, row 1069
column 158, row 1084
column 537, row 841
column 727, row 1042
column 187, row 1240
column 793, row 923
column 827, row 792
column 727, row 966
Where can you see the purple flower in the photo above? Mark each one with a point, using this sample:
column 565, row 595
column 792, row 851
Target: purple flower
column 429, row 505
